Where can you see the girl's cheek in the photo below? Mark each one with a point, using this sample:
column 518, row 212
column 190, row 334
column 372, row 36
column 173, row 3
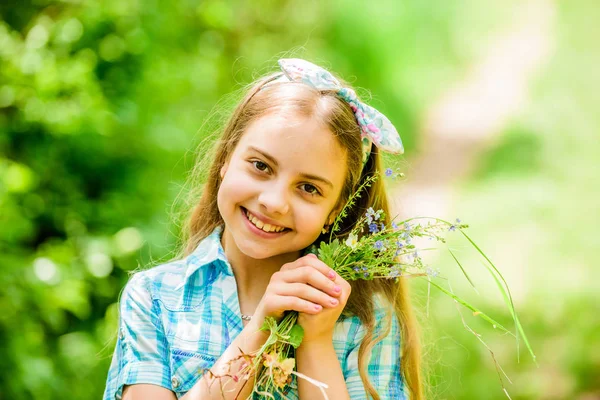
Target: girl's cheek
column 310, row 216
column 239, row 176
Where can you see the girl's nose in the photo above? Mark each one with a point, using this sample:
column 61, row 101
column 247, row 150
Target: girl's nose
column 274, row 201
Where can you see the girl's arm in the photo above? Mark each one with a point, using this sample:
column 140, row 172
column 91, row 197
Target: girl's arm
column 250, row 339
column 318, row 360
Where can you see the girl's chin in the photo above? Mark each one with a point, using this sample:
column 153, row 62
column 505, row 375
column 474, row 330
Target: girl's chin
column 251, row 251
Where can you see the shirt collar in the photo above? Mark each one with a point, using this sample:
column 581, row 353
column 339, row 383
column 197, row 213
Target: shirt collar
column 209, row 251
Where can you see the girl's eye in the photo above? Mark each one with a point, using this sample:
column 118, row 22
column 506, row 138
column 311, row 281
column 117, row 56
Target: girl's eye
column 261, row 166
column 310, row 189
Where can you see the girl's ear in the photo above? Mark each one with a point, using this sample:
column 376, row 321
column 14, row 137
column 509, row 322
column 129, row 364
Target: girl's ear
column 333, row 215
column 224, row 169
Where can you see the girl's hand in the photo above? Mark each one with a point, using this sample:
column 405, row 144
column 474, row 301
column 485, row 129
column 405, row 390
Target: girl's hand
column 306, row 285
column 319, row 327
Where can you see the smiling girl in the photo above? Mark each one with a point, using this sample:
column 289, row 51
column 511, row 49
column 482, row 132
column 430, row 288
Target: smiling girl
column 297, row 145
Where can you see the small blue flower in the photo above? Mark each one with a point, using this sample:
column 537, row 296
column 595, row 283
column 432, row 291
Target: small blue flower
column 394, row 225
column 453, row 227
column 389, row 172
column 395, row 272
column 369, row 215
column 366, row 275
column 400, row 244
column 407, row 226
column 364, row 268
column 431, row 272
column 373, row 228
column 356, row 269
column 378, row 245
column 373, row 215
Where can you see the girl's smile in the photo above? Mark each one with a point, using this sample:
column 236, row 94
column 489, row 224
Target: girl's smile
column 262, row 226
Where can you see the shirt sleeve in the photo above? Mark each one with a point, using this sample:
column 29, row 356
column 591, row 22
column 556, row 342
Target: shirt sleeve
column 141, row 352
column 383, row 368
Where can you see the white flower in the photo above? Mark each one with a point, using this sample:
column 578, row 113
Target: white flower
column 352, row 241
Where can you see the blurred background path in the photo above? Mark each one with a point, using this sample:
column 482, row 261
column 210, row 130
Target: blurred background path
column 466, row 120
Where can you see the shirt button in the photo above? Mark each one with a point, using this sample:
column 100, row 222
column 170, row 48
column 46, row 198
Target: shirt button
column 175, row 382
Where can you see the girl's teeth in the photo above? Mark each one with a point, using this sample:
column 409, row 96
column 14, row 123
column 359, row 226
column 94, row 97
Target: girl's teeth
column 261, row 225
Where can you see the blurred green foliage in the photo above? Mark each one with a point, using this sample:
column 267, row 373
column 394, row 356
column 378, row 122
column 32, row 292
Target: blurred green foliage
column 102, row 102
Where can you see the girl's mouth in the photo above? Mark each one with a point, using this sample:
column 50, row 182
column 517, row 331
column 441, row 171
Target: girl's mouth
column 259, row 227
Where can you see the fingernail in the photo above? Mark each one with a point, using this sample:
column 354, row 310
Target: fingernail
column 331, row 274
column 317, row 307
column 334, row 302
column 337, row 288
column 312, row 254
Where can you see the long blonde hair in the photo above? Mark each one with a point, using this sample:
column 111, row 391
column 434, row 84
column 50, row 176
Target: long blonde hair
column 337, row 115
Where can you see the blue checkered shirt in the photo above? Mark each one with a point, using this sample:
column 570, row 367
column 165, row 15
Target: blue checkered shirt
column 178, row 318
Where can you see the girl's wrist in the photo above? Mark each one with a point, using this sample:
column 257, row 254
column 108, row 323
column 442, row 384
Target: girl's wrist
column 251, row 337
column 316, row 345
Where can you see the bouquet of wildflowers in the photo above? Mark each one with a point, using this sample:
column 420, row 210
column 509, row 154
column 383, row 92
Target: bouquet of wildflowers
column 372, row 250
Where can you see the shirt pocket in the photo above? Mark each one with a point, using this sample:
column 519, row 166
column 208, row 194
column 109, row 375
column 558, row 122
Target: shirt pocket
column 193, row 349
column 187, row 367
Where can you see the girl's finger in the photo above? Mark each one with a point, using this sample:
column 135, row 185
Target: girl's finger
column 309, row 275
column 345, row 285
column 308, row 293
column 297, row 304
column 313, row 261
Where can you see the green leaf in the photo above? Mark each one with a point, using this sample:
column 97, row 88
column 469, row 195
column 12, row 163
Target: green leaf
column 296, row 335
column 483, row 315
column 269, row 325
column 503, row 287
column 462, row 269
column 334, row 245
column 327, row 252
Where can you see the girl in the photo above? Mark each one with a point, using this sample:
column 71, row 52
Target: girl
column 293, row 151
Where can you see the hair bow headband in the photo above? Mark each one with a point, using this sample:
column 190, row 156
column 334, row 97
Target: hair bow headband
column 375, row 127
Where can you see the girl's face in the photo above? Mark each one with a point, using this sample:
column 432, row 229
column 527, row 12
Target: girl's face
column 280, row 186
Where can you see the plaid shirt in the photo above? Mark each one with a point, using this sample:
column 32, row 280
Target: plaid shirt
column 178, row 318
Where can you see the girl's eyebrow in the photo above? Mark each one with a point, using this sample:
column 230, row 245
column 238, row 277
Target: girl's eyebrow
column 274, row 161
column 267, row 156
